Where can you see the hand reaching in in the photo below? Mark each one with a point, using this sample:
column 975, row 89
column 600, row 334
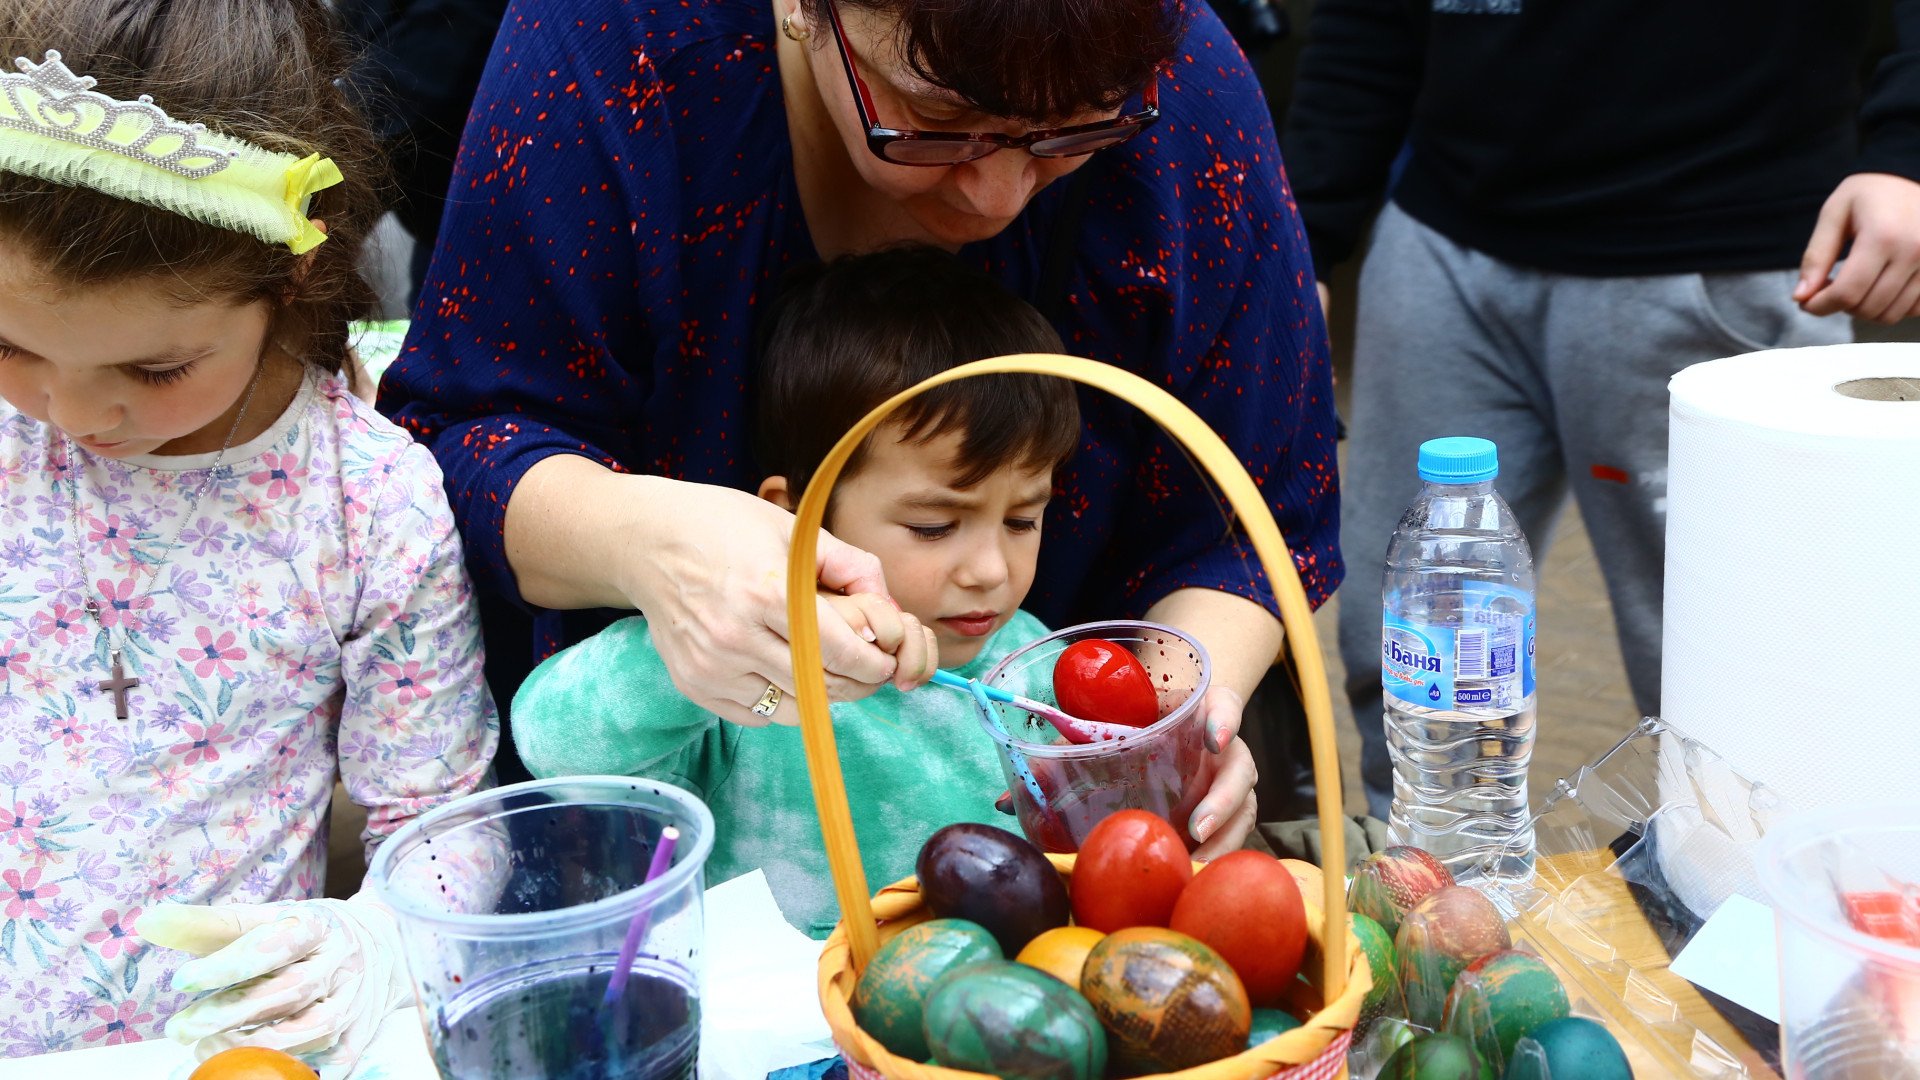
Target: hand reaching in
column 1879, row 214
column 313, row 978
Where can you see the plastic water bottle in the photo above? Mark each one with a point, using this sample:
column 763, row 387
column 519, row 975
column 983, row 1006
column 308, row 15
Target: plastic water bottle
column 1456, row 665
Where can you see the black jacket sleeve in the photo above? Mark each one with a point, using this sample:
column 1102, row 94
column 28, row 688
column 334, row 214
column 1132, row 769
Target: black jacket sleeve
column 1890, row 117
column 1359, row 74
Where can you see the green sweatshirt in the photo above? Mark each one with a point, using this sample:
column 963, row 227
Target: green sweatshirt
column 913, row 762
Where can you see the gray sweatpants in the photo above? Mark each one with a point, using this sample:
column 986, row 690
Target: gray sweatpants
column 1569, row 376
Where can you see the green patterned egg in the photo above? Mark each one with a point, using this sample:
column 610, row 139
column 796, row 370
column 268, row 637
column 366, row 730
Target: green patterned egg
column 1571, row 1048
column 1499, row 998
column 1013, row 1021
column 1437, row 940
column 890, row 1001
column 1436, row 1057
column 1385, row 998
column 1268, row 1024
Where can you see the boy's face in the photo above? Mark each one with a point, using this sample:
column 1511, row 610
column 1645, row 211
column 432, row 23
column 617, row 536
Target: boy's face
column 959, row 561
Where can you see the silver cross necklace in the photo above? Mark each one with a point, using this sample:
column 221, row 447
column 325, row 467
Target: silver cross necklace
column 119, row 684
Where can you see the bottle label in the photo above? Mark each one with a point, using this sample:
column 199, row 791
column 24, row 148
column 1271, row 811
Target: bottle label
column 1486, row 662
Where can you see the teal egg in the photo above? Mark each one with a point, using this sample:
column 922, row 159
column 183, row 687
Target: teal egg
column 1499, row 998
column 1571, row 1048
column 1437, row 1057
column 1013, row 1021
column 890, row 1001
column 1268, row 1023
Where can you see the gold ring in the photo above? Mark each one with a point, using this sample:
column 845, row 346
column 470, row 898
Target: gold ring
column 768, row 703
column 786, row 27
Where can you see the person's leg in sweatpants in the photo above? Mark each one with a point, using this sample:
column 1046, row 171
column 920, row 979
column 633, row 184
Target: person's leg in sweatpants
column 1612, row 344
column 1445, row 344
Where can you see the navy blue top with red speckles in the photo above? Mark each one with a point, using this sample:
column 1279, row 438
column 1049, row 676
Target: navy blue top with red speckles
column 625, row 203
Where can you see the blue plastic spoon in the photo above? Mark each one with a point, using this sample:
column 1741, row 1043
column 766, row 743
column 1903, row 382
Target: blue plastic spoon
column 1071, row 728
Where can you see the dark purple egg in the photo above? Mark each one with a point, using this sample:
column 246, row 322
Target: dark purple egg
column 995, row 878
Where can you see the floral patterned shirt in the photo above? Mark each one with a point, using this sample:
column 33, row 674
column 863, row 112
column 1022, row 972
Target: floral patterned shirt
column 313, row 620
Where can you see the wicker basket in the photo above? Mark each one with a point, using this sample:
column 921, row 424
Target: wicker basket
column 1315, row 1050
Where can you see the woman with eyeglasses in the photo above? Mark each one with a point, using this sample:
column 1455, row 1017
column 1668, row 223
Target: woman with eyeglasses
column 636, row 177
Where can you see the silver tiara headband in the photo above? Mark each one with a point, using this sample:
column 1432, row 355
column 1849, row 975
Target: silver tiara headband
column 48, row 99
column 55, row 126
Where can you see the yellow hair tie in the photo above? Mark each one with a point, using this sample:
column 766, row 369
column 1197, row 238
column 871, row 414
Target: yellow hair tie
column 54, row 126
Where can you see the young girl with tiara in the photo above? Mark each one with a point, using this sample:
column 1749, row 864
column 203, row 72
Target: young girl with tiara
column 224, row 580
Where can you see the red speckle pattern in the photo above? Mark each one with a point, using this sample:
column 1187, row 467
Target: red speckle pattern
column 624, row 204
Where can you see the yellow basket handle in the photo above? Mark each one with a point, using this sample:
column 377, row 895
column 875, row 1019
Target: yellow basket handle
column 810, row 683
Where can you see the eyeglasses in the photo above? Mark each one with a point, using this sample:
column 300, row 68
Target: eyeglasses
column 903, row 146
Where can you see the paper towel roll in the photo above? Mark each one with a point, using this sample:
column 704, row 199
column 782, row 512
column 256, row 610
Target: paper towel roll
column 1792, row 622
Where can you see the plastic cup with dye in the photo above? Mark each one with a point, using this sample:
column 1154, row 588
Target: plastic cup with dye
column 1845, row 887
column 1060, row 790
column 514, row 905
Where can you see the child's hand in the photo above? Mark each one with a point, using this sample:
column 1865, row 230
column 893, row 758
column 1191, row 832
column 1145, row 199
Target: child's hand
column 1226, row 815
column 314, row 978
column 878, row 619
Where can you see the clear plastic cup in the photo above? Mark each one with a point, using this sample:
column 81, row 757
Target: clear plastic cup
column 514, row 904
column 1845, row 887
column 1062, row 790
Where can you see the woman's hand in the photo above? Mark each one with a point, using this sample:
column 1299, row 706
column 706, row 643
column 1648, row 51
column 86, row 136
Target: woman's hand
column 707, row 565
column 1242, row 640
column 1226, row 814
column 715, row 598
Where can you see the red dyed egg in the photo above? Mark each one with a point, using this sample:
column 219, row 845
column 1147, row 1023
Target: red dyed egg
column 1094, row 679
column 1247, row 907
column 1130, row 872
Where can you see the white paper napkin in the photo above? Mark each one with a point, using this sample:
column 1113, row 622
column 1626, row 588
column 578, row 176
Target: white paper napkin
column 760, row 1010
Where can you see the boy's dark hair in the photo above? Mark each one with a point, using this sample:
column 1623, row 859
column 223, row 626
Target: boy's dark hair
column 847, row 335
column 259, row 70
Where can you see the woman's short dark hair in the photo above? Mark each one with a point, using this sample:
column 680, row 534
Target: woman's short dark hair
column 1029, row 59
column 264, row 71
column 847, row 335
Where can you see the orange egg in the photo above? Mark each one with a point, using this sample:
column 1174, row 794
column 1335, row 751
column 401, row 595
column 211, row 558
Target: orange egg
column 253, row 1063
column 1061, row 952
column 1312, row 882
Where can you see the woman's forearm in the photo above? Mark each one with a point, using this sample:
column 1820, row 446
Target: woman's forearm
column 572, row 525
column 1242, row 638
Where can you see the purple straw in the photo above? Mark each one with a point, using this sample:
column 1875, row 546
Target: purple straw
column 637, row 929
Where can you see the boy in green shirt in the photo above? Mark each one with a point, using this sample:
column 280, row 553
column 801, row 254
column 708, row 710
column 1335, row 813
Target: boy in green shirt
column 948, row 494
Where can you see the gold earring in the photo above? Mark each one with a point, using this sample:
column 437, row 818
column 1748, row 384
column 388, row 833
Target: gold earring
column 786, row 27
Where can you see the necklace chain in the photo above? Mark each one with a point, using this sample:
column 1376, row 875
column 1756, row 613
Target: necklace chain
column 166, row 555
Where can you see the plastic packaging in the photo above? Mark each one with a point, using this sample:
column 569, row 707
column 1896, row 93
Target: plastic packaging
column 514, row 904
column 1846, row 892
column 1602, row 907
column 1060, row 790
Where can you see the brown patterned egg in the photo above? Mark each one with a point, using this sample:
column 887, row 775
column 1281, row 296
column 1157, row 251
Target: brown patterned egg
column 1438, row 938
column 1167, row 1001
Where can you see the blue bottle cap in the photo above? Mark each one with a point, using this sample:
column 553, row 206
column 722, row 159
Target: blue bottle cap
column 1458, row 460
